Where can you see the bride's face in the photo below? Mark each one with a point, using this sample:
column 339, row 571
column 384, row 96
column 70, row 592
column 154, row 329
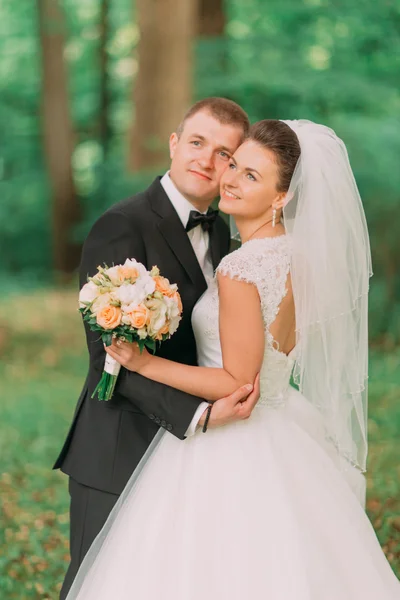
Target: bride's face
column 248, row 186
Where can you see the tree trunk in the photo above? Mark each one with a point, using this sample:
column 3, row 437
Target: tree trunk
column 104, row 127
column 163, row 86
column 211, row 22
column 104, row 121
column 58, row 136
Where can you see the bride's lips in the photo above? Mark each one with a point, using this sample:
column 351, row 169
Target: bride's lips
column 200, row 175
column 228, row 195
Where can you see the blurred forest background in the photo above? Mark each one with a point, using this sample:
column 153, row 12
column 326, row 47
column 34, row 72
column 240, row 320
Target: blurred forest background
column 89, row 92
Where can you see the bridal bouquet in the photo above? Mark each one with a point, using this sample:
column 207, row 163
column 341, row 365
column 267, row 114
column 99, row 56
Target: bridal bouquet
column 132, row 304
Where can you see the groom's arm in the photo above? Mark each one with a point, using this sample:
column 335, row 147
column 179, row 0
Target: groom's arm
column 112, row 240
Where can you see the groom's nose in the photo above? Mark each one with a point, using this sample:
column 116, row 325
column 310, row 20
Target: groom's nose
column 206, row 160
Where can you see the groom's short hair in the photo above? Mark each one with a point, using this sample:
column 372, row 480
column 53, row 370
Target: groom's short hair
column 223, row 110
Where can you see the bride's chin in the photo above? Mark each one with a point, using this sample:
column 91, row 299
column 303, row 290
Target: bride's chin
column 226, row 207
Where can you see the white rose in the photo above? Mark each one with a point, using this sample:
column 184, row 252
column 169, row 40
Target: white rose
column 158, row 312
column 125, row 319
column 174, row 324
column 88, row 293
column 158, row 321
column 142, row 333
column 134, row 264
column 147, row 283
column 113, row 273
column 145, row 279
column 130, row 293
column 172, row 307
column 131, row 262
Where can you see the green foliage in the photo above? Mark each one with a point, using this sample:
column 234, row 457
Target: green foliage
column 331, row 62
column 42, row 370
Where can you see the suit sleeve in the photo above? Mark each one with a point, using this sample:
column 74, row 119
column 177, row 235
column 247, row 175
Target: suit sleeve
column 112, row 240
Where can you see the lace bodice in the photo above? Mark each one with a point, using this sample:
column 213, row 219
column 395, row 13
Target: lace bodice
column 264, row 263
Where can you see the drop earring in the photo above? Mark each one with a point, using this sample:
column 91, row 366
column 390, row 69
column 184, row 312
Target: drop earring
column 274, row 217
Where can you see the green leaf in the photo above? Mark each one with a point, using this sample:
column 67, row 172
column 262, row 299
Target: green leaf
column 107, row 338
column 151, row 344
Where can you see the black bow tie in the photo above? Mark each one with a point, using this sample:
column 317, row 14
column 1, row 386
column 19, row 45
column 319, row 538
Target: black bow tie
column 206, row 221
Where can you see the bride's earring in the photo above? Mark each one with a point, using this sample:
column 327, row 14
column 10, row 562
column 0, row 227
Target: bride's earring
column 274, row 217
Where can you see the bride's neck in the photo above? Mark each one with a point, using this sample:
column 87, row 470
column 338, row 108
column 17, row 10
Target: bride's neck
column 252, row 230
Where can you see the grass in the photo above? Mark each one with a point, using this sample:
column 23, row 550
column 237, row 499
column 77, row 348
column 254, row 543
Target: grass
column 43, row 363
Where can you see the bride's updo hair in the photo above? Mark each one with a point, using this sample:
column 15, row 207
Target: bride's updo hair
column 280, row 139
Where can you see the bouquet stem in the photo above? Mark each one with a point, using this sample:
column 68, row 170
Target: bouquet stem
column 105, row 388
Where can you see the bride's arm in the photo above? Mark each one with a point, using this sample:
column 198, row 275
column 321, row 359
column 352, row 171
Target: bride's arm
column 242, row 343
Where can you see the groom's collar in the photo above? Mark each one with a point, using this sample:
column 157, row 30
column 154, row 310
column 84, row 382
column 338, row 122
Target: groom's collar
column 165, row 198
column 173, row 231
column 178, row 200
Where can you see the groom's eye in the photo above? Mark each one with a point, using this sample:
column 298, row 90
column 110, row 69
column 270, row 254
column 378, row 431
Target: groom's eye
column 224, row 155
column 195, row 143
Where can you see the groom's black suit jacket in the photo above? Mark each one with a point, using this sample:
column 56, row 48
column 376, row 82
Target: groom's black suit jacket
column 107, row 439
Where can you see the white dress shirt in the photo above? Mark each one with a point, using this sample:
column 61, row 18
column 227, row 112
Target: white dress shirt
column 200, row 241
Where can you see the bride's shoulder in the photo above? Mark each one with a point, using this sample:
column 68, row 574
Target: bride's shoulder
column 252, row 260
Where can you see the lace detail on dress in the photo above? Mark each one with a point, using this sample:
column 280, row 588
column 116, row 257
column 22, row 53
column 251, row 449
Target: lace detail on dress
column 264, row 263
column 211, row 308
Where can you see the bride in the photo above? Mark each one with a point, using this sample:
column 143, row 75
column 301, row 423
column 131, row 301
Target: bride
column 271, row 507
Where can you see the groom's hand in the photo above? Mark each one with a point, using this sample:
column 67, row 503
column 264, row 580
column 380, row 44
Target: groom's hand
column 236, row 407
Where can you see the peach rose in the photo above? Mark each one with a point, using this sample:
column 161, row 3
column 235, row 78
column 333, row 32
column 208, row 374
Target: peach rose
column 118, row 275
column 158, row 315
column 139, row 316
column 162, row 331
column 178, row 299
column 128, row 273
column 163, row 286
column 109, row 317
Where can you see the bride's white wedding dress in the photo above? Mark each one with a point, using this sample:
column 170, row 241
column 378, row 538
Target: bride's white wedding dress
column 254, row 510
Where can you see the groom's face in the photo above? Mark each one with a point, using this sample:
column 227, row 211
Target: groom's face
column 200, row 155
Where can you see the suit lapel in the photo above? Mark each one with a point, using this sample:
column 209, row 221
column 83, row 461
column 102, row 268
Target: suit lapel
column 171, row 228
column 215, row 247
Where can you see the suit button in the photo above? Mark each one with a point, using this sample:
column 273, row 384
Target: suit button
column 152, row 417
column 169, row 427
column 163, row 423
column 158, row 421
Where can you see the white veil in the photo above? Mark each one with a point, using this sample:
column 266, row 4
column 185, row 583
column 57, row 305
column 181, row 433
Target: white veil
column 330, row 272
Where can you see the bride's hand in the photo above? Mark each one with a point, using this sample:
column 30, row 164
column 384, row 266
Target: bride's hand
column 128, row 355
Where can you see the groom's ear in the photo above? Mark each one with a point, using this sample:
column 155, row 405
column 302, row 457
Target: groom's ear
column 173, row 142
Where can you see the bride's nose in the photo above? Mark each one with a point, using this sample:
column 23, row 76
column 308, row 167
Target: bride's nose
column 230, row 178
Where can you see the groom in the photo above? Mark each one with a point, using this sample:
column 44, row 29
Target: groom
column 169, row 225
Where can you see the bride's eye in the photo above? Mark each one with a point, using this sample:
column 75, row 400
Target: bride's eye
column 232, row 165
column 251, row 177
